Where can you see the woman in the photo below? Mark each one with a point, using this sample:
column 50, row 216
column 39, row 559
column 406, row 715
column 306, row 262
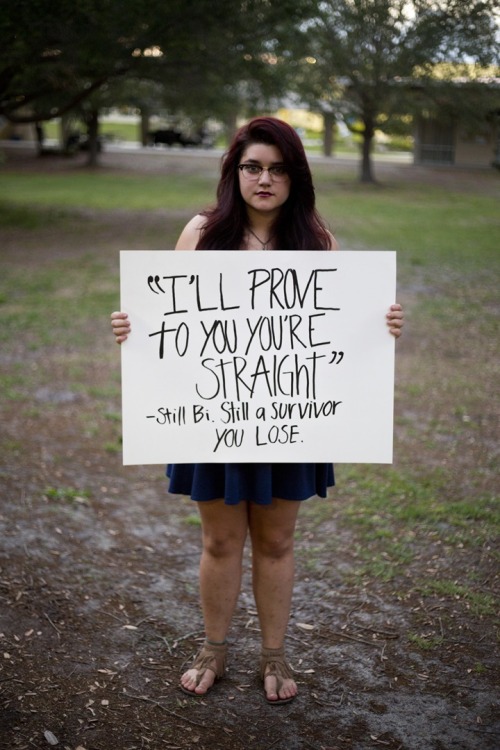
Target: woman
column 265, row 201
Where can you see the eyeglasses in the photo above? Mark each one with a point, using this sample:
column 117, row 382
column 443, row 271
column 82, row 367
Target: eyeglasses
column 252, row 172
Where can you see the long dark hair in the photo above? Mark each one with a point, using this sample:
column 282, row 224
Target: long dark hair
column 298, row 226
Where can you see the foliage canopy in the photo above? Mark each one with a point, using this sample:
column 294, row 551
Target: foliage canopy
column 355, row 59
column 358, row 59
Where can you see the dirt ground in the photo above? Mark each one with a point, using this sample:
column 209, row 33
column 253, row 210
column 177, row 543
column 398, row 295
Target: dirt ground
column 98, row 595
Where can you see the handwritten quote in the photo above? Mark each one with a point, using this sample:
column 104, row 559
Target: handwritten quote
column 257, row 357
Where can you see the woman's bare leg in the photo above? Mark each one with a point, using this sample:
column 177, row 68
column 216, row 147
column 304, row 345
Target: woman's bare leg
column 272, row 531
column 224, row 530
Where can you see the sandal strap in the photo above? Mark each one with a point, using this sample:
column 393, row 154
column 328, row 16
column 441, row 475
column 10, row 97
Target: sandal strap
column 273, row 663
column 207, row 655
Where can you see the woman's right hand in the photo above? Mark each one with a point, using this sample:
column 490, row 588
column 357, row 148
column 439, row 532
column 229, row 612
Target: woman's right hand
column 121, row 326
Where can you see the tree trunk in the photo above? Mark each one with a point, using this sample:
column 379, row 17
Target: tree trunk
column 230, row 123
column 93, row 137
column 144, row 126
column 328, row 124
column 39, row 138
column 64, row 131
column 366, row 160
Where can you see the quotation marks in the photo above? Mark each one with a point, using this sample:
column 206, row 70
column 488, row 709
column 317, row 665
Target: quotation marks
column 337, row 358
column 155, row 280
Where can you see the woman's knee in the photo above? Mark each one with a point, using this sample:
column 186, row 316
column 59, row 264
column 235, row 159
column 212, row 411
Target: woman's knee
column 273, row 544
column 272, row 529
column 224, row 530
column 219, row 545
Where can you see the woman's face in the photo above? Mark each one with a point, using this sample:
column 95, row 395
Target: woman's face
column 266, row 194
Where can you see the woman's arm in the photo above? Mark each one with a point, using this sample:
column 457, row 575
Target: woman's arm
column 190, row 235
column 334, row 245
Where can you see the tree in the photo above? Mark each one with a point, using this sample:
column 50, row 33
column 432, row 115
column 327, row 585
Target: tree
column 233, row 72
column 362, row 53
column 56, row 56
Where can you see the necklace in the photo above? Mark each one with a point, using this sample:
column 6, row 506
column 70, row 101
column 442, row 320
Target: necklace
column 265, row 245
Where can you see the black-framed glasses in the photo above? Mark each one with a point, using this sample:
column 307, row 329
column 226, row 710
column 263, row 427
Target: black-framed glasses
column 252, row 172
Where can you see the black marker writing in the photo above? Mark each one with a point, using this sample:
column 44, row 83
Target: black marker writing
column 283, row 289
column 337, row 358
column 223, row 334
column 217, row 300
column 276, row 375
column 181, row 339
column 232, row 438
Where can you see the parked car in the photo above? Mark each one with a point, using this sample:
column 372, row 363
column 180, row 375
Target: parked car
column 77, row 141
column 172, row 137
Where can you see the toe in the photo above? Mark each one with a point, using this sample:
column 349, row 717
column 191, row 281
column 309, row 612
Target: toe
column 193, row 683
column 270, row 688
column 287, row 690
column 206, row 682
column 188, row 680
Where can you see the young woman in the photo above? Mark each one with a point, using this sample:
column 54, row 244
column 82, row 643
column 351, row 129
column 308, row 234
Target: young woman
column 265, row 201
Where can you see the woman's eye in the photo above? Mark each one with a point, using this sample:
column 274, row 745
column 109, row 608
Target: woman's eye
column 279, row 171
column 252, row 170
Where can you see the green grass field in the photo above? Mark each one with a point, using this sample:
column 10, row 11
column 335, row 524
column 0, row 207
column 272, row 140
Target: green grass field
column 103, row 191
column 427, row 224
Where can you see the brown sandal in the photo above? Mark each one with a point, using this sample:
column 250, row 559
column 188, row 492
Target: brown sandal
column 273, row 664
column 205, row 658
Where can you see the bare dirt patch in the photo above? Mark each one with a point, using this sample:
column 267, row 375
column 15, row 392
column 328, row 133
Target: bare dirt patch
column 98, row 566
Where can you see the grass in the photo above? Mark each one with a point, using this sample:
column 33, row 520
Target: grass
column 66, row 494
column 125, row 131
column 396, row 513
column 407, row 499
column 477, row 602
column 416, row 221
column 412, row 219
column 19, row 216
column 193, row 519
column 425, row 642
column 102, row 190
column 39, row 306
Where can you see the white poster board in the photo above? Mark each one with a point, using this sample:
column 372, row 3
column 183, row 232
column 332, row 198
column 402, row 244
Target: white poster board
column 257, row 356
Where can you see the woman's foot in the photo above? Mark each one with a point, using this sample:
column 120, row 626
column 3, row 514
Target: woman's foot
column 208, row 666
column 279, row 685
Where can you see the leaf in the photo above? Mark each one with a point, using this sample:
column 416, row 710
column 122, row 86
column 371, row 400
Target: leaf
column 50, row 737
column 305, row 626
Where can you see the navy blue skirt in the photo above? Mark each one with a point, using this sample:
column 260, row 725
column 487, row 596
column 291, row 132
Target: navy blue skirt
column 258, row 483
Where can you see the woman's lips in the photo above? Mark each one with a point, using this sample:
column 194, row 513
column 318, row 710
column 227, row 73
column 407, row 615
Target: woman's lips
column 264, row 194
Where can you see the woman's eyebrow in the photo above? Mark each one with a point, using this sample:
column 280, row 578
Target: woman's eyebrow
column 256, row 161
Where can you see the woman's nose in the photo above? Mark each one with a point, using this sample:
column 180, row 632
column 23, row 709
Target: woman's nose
column 265, row 177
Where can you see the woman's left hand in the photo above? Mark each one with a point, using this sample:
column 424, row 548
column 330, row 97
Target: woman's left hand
column 395, row 320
